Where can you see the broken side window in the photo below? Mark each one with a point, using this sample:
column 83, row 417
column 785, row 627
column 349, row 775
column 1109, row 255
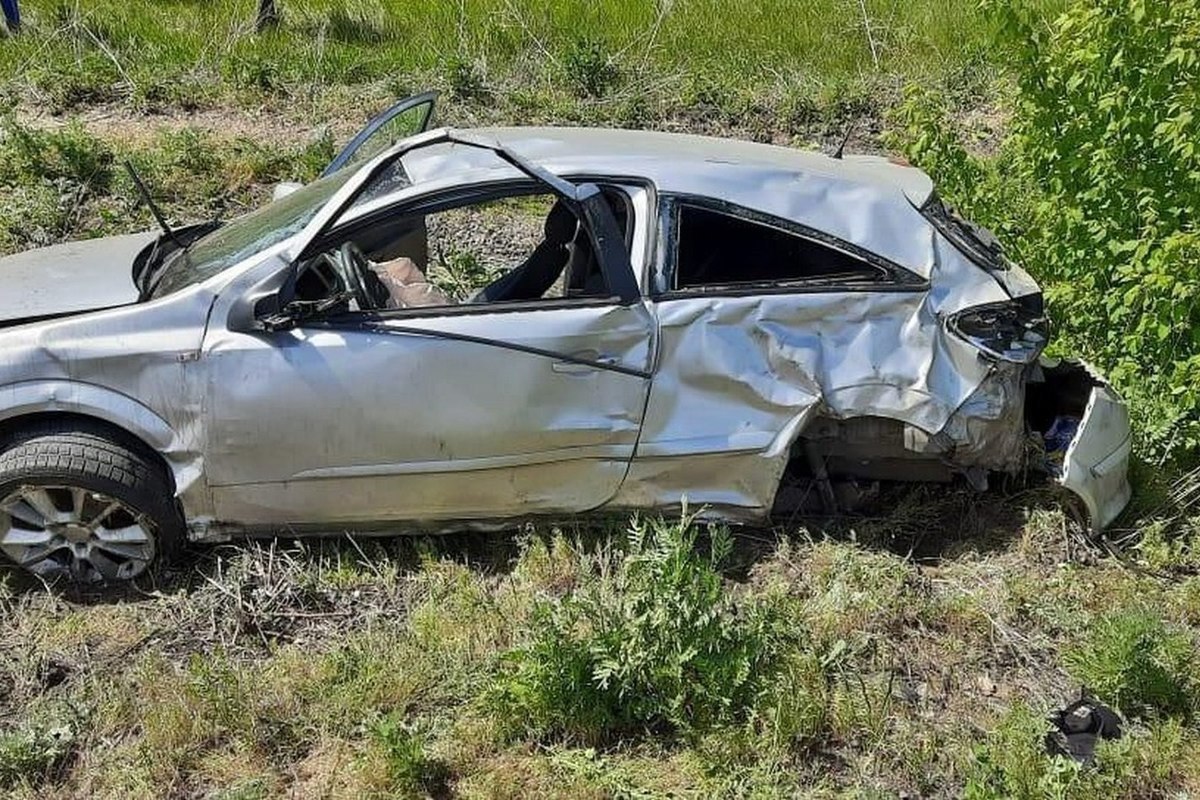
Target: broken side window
column 518, row 248
column 511, row 249
column 721, row 250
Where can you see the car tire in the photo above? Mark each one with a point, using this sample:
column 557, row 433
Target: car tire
column 82, row 503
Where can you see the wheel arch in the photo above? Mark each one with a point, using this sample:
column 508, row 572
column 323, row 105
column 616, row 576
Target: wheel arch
column 34, row 402
column 86, row 460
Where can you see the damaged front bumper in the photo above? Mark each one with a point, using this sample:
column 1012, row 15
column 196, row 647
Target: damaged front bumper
column 1095, row 463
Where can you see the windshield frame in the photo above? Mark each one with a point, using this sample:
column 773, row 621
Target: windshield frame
column 342, row 191
column 261, row 229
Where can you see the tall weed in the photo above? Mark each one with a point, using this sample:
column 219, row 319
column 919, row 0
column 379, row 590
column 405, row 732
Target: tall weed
column 651, row 641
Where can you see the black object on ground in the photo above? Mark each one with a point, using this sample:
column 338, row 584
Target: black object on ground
column 1079, row 726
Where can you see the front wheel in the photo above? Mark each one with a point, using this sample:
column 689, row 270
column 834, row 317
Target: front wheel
column 77, row 502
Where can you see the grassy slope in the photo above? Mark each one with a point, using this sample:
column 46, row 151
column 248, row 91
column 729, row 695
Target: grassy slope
column 152, row 80
column 326, row 670
column 143, row 48
column 317, row 671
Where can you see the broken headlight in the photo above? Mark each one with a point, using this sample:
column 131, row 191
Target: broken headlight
column 1013, row 330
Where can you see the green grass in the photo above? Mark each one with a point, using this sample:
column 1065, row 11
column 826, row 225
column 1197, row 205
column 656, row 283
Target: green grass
column 147, row 52
column 138, row 72
column 68, row 183
column 913, row 654
column 417, row 667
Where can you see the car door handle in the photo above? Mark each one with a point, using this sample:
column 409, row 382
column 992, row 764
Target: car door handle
column 585, row 361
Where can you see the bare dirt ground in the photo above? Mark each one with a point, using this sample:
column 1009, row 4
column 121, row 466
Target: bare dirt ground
column 302, row 122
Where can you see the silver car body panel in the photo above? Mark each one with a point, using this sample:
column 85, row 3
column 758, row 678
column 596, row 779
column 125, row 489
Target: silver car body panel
column 1096, row 464
column 783, row 359
column 69, row 278
column 134, row 367
column 422, row 427
column 436, row 419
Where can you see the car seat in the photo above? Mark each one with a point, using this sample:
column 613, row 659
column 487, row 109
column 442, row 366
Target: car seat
column 532, row 278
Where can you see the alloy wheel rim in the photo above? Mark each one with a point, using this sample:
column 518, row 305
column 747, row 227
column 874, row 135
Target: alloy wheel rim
column 70, row 531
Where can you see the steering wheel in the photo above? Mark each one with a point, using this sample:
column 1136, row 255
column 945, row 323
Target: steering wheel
column 353, row 264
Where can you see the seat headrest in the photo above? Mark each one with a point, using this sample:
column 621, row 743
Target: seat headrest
column 560, row 224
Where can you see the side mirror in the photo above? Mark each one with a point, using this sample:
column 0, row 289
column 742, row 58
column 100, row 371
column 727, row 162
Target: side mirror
column 285, row 188
column 297, row 312
column 271, row 317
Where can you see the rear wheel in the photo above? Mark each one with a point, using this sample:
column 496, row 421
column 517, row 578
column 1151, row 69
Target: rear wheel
column 78, row 502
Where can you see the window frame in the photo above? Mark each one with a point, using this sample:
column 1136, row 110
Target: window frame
column 892, row 276
column 459, row 196
column 346, row 156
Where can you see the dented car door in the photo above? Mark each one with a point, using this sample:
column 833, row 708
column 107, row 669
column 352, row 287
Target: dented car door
column 756, row 343
column 492, row 414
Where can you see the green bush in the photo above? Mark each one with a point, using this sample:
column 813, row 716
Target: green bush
column 29, row 754
column 34, row 215
column 1095, row 191
column 249, row 70
column 1134, row 661
column 465, row 78
column 190, row 152
column 651, row 641
column 47, row 178
column 590, row 70
column 68, row 154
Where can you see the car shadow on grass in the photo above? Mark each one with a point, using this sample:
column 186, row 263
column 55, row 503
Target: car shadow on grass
column 931, row 523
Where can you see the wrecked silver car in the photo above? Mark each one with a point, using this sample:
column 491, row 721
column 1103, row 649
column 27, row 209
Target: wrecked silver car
column 465, row 328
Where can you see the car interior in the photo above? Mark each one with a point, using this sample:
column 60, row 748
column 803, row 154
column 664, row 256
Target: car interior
column 383, row 264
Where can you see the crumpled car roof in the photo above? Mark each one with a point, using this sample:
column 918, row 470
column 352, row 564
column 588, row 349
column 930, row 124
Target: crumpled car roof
column 865, row 200
column 667, row 158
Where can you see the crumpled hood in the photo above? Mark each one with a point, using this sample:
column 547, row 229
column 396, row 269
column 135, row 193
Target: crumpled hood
column 70, row 278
